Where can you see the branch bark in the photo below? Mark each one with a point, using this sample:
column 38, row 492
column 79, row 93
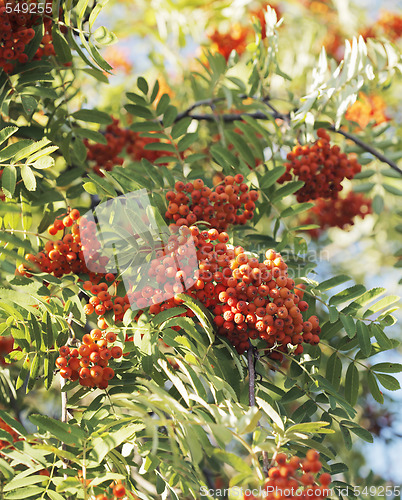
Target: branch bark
column 251, row 384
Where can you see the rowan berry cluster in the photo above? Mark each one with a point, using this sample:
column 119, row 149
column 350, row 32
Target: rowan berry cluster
column 337, row 213
column 59, row 257
column 89, row 363
column 248, row 299
column 102, row 300
column 106, row 156
column 6, row 346
column 118, row 491
column 295, row 478
column 252, row 299
column 321, row 166
column 16, row 31
column 228, row 203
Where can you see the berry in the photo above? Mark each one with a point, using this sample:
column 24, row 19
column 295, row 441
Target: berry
column 321, row 166
column 340, row 212
column 292, row 475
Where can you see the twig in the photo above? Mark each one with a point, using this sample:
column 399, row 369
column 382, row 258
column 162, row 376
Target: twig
column 232, row 117
column 251, row 375
column 366, row 147
column 251, row 384
column 64, row 402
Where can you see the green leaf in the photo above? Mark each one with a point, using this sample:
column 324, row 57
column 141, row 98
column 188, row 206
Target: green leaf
column 33, row 374
column 363, row 337
column 296, row 209
column 334, row 370
column 28, row 492
column 93, row 116
column 389, row 382
column 271, row 412
column 166, row 314
column 142, row 85
column 346, row 295
column 8, row 181
column 387, row 367
column 90, row 188
column 333, row 314
column 309, row 427
column 14, row 424
column 289, row 188
column 44, row 162
column 23, row 373
column 378, row 204
column 241, row 147
column 29, row 104
column 359, row 431
column 180, row 127
column 352, row 384
column 332, row 282
column 392, row 190
column 107, row 441
column 93, row 135
column 271, row 177
column 7, row 132
column 346, row 436
column 61, row 47
column 162, row 104
column 383, row 341
column 30, row 149
column 28, row 177
column 349, row 325
column 381, row 304
column 141, row 111
column 41, row 153
column 186, row 141
column 104, row 37
column 202, row 314
column 169, row 116
column 20, row 482
column 67, row 433
column 374, row 389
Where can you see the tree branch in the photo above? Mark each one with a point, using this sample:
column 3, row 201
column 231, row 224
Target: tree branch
column 251, row 385
column 251, row 375
column 366, row 147
column 260, row 115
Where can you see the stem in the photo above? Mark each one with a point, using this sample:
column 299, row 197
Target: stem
column 64, row 419
column 251, row 384
column 251, row 379
column 84, row 471
column 64, row 402
column 367, row 148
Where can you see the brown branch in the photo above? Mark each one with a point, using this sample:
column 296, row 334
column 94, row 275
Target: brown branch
column 260, row 115
column 251, row 375
column 251, row 385
column 366, row 147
